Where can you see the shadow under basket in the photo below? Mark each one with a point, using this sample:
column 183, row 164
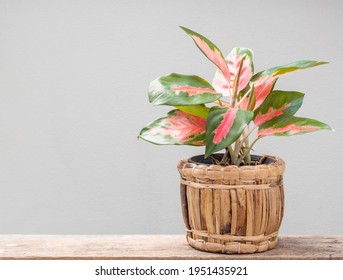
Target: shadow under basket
column 230, row 209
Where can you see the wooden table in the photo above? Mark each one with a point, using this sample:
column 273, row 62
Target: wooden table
column 158, row 247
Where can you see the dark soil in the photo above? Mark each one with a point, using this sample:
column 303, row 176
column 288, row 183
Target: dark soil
column 216, row 158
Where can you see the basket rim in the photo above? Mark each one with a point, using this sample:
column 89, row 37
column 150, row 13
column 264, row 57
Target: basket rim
column 246, row 173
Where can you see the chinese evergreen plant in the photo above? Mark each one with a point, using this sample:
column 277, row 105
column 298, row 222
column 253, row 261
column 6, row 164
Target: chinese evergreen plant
column 251, row 103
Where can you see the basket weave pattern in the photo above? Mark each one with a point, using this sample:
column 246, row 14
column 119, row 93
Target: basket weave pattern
column 232, row 209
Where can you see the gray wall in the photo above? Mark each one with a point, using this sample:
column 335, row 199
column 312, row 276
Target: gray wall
column 73, row 97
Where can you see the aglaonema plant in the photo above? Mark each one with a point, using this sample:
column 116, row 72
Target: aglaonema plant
column 224, row 114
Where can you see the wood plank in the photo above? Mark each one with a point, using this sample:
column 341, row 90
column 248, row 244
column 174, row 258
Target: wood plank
column 159, row 247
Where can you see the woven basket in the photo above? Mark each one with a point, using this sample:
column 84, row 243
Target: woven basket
column 232, row 209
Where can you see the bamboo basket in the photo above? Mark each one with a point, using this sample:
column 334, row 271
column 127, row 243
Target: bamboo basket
column 232, row 209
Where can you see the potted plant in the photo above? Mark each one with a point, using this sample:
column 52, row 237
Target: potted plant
column 232, row 202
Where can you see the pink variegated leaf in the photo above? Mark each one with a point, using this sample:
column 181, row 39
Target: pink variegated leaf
column 264, row 81
column 210, row 50
column 277, row 106
column 224, row 126
column 263, row 87
column 177, row 128
column 177, row 89
column 292, row 126
column 234, row 59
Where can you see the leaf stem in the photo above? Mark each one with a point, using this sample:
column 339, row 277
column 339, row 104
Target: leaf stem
column 226, row 155
column 236, row 84
column 246, row 138
column 243, row 156
column 238, row 146
column 239, row 143
column 246, row 143
column 244, row 96
column 220, row 102
column 252, row 99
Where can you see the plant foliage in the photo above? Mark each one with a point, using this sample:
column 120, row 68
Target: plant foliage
column 202, row 117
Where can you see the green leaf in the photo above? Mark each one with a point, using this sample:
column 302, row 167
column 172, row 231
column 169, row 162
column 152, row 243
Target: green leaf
column 224, row 126
column 278, row 105
column 197, row 110
column 177, row 89
column 294, row 66
column 264, row 81
column 252, row 99
column 177, row 128
column 292, row 126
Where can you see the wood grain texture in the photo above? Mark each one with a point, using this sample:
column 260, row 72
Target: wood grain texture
column 145, row 247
